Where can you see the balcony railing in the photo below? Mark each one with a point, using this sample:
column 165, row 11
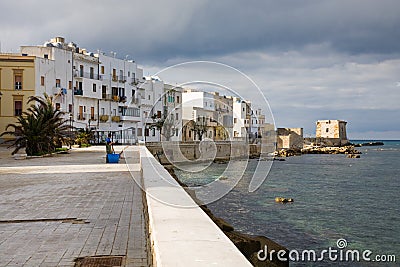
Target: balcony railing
column 78, row 92
column 104, row 118
column 86, row 116
column 81, row 116
column 117, row 78
column 133, row 81
column 116, row 118
column 88, row 75
column 110, row 97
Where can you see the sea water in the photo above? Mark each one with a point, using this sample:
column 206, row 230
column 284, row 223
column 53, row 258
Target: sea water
column 334, row 198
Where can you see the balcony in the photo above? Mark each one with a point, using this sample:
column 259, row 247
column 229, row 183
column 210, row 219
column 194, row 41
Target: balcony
column 81, row 116
column 116, row 78
column 86, row 116
column 78, row 92
column 133, row 81
column 88, row 75
column 104, row 118
column 116, row 118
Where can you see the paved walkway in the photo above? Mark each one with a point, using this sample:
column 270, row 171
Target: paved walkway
column 56, row 209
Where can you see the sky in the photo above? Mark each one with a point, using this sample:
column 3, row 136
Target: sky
column 312, row 60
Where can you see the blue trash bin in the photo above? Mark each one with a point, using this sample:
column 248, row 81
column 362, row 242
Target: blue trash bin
column 113, row 158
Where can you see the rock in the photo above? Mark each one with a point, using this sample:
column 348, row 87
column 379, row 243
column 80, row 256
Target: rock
column 353, row 156
column 373, row 144
column 19, row 156
column 283, row 200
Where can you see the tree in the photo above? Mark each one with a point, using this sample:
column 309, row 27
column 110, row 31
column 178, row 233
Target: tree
column 164, row 125
column 199, row 127
column 40, row 129
column 84, row 137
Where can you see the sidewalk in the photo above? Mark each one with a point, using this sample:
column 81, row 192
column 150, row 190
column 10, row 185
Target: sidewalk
column 56, row 209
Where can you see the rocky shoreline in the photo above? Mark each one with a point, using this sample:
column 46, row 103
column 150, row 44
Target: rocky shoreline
column 347, row 150
column 249, row 245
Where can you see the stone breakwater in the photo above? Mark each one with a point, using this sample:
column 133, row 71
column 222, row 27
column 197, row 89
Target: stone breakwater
column 249, row 245
column 347, row 150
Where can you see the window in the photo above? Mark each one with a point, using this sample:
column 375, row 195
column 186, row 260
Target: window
column 114, row 75
column 103, row 111
column 177, row 99
column 102, row 69
column 158, row 114
column 114, row 112
column 92, row 113
column 235, row 120
column 58, row 83
column 42, row 80
column 18, row 79
column 176, row 132
column 58, row 106
column 149, row 97
column 70, row 108
column 17, row 107
column 327, row 130
column 129, row 74
column 94, row 88
column 153, row 132
column 70, row 85
column 91, row 73
column 46, row 56
column 81, row 70
column 139, row 132
column 146, row 132
column 176, row 116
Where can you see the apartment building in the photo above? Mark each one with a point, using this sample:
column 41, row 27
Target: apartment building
column 107, row 94
column 17, row 84
column 241, row 118
column 198, row 109
column 224, row 117
column 98, row 91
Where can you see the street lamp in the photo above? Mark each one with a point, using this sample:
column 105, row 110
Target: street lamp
column 70, row 129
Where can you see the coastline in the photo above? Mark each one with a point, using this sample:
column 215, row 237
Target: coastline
column 249, row 245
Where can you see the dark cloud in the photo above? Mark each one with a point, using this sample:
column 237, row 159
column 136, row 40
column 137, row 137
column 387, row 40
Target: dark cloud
column 305, row 55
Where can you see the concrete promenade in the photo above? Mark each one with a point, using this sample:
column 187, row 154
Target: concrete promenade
column 56, row 209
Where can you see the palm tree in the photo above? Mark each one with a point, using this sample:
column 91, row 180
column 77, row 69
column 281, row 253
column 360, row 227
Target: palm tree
column 40, row 129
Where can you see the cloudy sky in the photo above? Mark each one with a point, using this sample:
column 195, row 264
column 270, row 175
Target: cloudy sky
column 311, row 59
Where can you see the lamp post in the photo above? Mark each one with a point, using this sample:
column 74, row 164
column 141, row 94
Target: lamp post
column 70, row 129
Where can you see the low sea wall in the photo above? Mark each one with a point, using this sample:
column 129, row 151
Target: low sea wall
column 180, row 232
column 168, row 152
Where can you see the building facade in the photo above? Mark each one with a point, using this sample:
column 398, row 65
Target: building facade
column 17, row 84
column 290, row 138
column 109, row 95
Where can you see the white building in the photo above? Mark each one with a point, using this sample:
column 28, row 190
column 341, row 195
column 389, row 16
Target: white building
column 198, row 107
column 97, row 91
column 119, row 105
column 172, row 100
column 241, row 118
